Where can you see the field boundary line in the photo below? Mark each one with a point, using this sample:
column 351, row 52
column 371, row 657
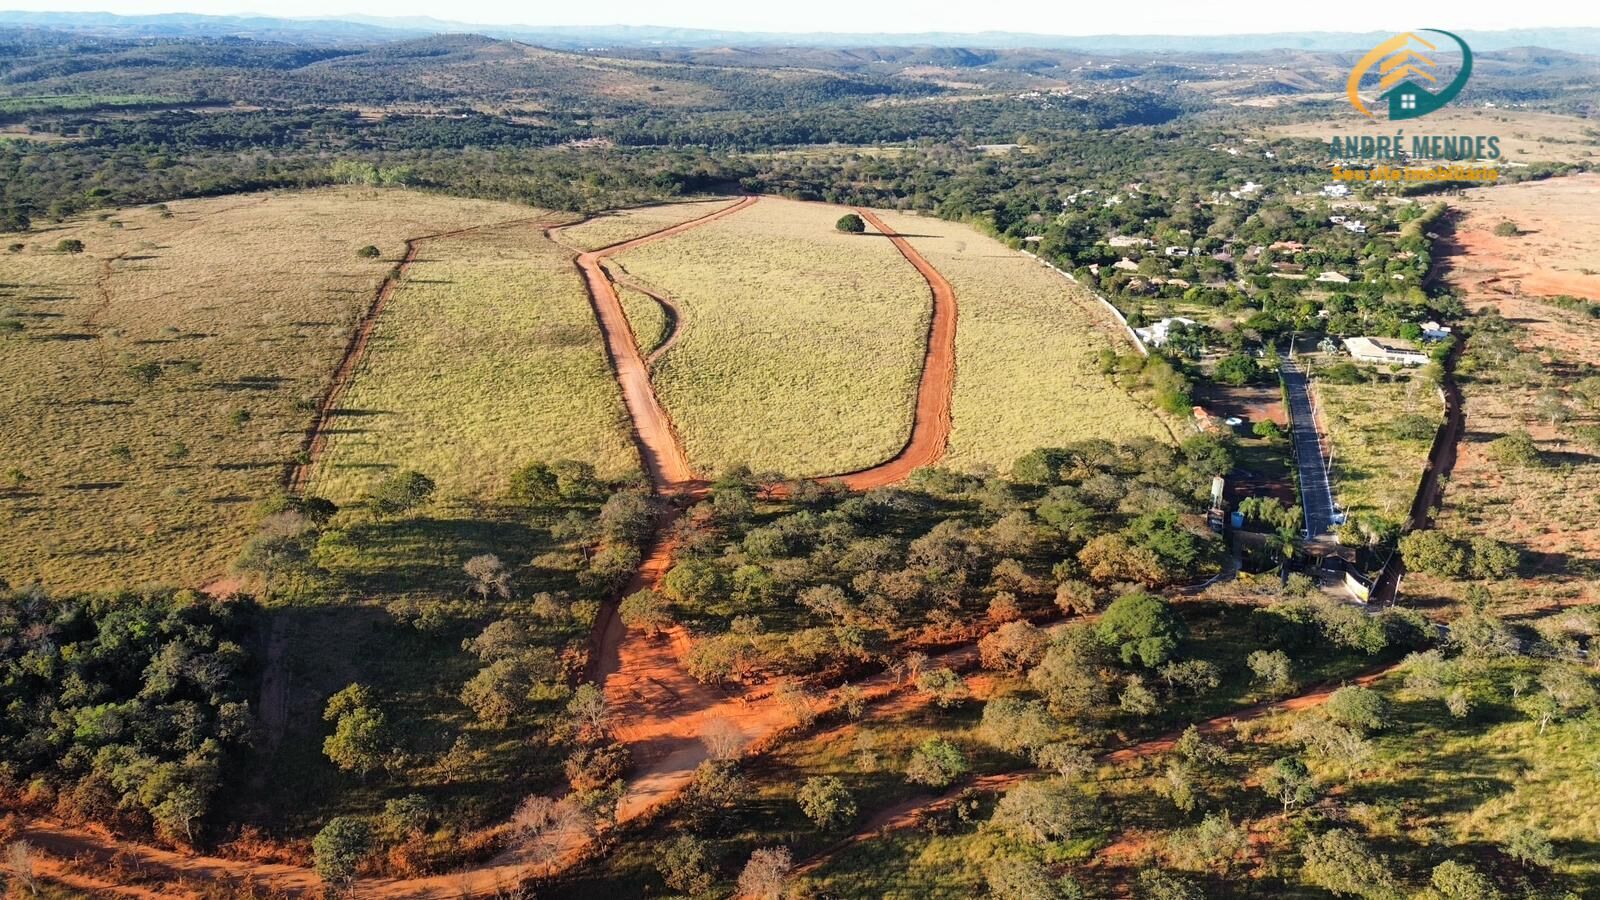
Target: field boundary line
column 315, row 441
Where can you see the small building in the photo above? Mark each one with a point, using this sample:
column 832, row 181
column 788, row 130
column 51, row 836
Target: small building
column 1354, row 227
column 1123, row 240
column 1125, row 264
column 1177, row 251
column 1433, row 331
column 1334, row 278
column 1155, row 334
column 1385, row 350
column 1336, row 190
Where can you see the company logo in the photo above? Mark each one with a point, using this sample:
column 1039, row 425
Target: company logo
column 1403, row 63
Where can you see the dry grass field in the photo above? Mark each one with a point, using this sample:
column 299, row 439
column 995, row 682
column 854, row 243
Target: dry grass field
column 1375, row 467
column 159, row 382
column 1026, row 373
column 645, row 316
column 1548, row 509
column 608, row 228
column 800, row 347
column 487, row 357
column 1525, row 136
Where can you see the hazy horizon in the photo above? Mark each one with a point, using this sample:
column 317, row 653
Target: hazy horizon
column 1156, row 18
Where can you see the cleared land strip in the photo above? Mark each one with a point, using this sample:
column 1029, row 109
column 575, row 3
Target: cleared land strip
column 1029, row 346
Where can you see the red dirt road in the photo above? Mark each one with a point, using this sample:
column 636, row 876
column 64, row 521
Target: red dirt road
column 659, row 448
column 930, row 425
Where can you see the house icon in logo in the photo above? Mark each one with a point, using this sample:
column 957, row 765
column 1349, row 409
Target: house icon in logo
column 1403, row 66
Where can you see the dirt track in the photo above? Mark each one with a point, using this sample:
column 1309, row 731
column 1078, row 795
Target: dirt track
column 316, row 437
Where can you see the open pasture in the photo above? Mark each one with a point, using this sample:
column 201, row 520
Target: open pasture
column 486, row 358
column 160, row 381
column 1381, row 433
column 616, row 226
column 800, row 347
column 1026, row 345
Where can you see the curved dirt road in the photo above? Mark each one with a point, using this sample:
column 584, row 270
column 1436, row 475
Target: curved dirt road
column 659, row 448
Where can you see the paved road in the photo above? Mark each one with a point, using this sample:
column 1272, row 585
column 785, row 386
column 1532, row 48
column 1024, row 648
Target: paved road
column 1316, row 495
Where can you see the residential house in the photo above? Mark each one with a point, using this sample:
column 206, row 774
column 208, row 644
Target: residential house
column 1333, row 278
column 1155, row 334
column 1388, row 351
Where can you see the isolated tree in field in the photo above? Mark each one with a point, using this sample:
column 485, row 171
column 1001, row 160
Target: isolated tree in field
column 766, row 874
column 360, row 738
column 1358, row 707
column 1044, row 810
column 19, row 864
column 369, row 252
column 534, row 484
column 1507, row 228
column 936, row 763
column 723, row 738
column 1271, row 669
column 1017, row 725
column 1339, row 862
column 1289, row 782
column 1514, row 448
column 145, row 373
column 339, row 848
column 401, row 493
column 1531, row 847
column 826, row 802
column 945, row 686
column 279, row 542
column 13, row 478
column 489, row 576
column 1142, row 628
column 69, row 245
column 850, row 223
column 686, row 865
column 1452, row 880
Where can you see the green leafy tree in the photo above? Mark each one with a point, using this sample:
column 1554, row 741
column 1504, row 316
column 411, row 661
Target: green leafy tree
column 1452, row 880
column 339, row 848
column 825, row 801
column 850, row 223
column 1339, row 862
column 1142, row 628
column 401, row 492
column 1358, row 707
column 1289, row 782
column 360, row 738
column 936, row 763
column 685, row 865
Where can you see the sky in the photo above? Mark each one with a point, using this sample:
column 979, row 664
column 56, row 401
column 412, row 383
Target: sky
column 1164, row 17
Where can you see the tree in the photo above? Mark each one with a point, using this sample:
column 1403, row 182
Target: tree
column 1017, row 725
column 850, row 223
column 1339, row 862
column 1433, row 552
column 1020, row 878
column 722, row 737
column 647, row 611
column 401, row 492
column 595, row 768
column 1074, row 597
column 588, row 707
column 936, row 763
column 685, row 865
column 360, row 737
column 766, row 873
column 1452, row 880
column 826, row 802
column 489, row 576
column 716, row 785
column 1289, row 782
column 1142, row 628
column 1530, row 846
column 1013, row 647
column 339, row 848
column 1156, row 884
column 1515, row 448
column 1044, row 810
column 1507, row 228
column 1272, row 669
column 369, row 252
column 535, row 484
column 19, row 863
column 500, row 690
column 69, row 245
column 945, row 686
column 1236, row 369
column 1358, row 707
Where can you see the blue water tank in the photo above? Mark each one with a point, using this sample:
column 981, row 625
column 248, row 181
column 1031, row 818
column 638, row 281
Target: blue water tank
column 1237, row 520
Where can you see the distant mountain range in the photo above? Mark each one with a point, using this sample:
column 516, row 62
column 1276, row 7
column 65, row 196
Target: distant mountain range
column 367, row 29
